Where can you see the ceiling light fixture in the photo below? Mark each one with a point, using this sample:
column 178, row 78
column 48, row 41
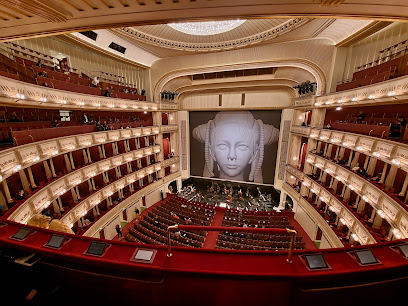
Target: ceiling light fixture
column 205, row 28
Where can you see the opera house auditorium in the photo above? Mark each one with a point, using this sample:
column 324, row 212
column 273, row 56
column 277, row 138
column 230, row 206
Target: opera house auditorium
column 175, row 152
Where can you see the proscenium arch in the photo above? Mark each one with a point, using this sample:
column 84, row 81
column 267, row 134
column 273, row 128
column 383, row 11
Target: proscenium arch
column 309, row 66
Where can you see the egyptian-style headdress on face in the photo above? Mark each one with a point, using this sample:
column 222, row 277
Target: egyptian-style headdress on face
column 261, row 134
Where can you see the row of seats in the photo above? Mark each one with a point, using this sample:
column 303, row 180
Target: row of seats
column 164, row 225
column 196, row 210
column 183, row 216
column 169, row 220
column 188, row 212
column 263, row 224
column 378, row 73
column 258, row 245
column 178, row 236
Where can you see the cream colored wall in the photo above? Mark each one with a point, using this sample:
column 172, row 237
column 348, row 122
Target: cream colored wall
column 87, row 61
column 287, row 114
column 313, row 55
column 154, row 196
column 273, row 99
column 366, row 50
column 305, row 221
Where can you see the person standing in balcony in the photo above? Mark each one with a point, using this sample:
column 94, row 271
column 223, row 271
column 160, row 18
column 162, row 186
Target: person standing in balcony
column 119, row 231
column 361, row 116
column 84, row 118
column 95, row 82
column 398, row 128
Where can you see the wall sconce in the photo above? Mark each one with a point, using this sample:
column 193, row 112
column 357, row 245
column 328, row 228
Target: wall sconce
column 396, row 232
column 381, row 213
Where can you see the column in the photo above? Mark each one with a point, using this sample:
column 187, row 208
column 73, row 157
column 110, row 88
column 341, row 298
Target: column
column 383, row 173
column 71, row 158
column 52, row 168
column 67, row 162
column 85, row 156
column 404, row 187
column 118, row 173
column 31, row 177
column 100, row 150
column 7, row 191
column 367, row 160
column 88, row 153
column 337, row 152
column 355, row 159
column 48, row 172
column 74, row 195
column 24, row 180
column 371, row 166
column 389, row 182
column 350, row 159
column 346, row 195
column 56, row 207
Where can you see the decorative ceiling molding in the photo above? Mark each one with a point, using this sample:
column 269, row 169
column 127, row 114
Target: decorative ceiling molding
column 140, row 36
column 44, row 8
column 312, row 68
column 34, row 18
column 331, row 2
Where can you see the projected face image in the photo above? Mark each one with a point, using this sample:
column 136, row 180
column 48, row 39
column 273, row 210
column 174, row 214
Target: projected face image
column 233, row 149
column 234, row 145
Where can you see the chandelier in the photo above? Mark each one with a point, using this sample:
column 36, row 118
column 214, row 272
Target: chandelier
column 206, row 27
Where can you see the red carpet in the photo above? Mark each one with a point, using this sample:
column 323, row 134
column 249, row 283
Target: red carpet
column 211, row 239
column 132, row 223
column 309, row 244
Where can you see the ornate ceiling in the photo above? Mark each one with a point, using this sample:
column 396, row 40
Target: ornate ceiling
column 30, row 18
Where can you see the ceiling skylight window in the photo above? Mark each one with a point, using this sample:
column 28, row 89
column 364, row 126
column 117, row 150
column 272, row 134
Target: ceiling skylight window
column 206, row 27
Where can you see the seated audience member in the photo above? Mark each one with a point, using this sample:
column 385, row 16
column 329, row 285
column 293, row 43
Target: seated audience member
column 107, row 92
column 397, row 128
column 340, row 160
column 174, row 215
column 328, row 126
column 55, row 123
column 99, row 126
column 361, row 116
column 376, row 178
column 365, row 215
column 143, row 92
column 21, row 194
column 95, row 82
column 356, row 168
column 14, row 118
column 363, row 172
column 45, row 84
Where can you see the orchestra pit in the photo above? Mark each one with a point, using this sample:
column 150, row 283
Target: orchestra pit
column 203, row 152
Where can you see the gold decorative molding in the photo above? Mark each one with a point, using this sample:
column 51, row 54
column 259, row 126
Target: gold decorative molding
column 331, row 2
